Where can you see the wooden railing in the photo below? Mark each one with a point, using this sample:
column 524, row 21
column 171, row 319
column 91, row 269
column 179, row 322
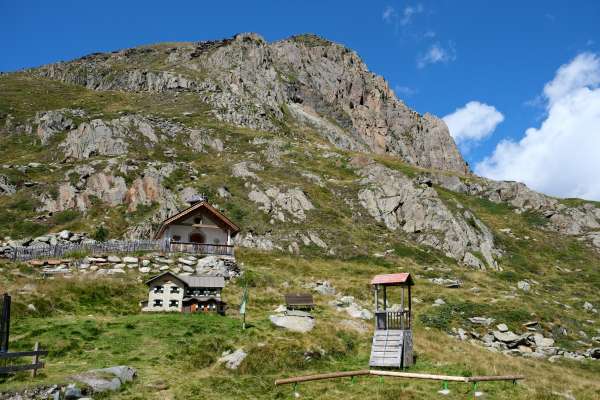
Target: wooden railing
column 24, row 253
column 386, row 320
column 201, row 248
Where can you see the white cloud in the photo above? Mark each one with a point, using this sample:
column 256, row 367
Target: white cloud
column 409, row 12
column 389, row 14
column 562, row 156
column 473, row 122
column 437, row 54
column 404, row 90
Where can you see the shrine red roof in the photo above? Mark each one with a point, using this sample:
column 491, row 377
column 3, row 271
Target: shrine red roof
column 401, row 278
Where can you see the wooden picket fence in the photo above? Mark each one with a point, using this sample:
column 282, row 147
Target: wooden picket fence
column 23, row 253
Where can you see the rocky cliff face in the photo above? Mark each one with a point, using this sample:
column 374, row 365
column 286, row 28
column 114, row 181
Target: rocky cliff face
column 249, row 82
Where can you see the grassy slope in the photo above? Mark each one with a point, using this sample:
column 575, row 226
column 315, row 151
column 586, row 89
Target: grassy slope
column 89, row 323
column 92, row 324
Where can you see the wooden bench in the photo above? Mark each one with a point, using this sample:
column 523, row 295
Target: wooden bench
column 295, row 301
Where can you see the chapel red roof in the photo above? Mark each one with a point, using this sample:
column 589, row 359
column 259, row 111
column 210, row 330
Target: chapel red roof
column 197, row 206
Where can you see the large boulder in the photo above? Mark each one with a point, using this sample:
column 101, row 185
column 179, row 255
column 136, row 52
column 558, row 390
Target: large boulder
column 294, row 321
column 106, row 379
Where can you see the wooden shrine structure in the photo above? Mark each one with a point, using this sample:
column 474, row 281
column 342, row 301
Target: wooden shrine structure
column 392, row 341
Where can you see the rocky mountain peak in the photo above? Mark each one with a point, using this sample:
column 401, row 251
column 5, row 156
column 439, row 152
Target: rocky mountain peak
column 304, row 79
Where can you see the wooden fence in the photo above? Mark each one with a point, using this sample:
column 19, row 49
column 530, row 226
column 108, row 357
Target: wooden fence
column 23, row 253
column 5, row 355
column 36, row 363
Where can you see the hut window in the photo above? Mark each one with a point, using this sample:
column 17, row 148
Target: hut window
column 176, row 238
column 174, row 303
column 158, row 303
column 197, row 220
column 174, row 289
column 158, row 289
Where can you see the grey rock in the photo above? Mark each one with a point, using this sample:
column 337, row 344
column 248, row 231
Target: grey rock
column 5, row 186
column 52, row 122
column 72, row 392
column 439, row 302
column 324, row 288
column 277, row 203
column 449, row 283
column 96, row 137
column 199, row 139
column 233, row 360
column 506, row 337
column 502, row 327
column 65, row 235
column 245, row 170
column 223, row 192
column 293, row 323
column 186, row 261
column 524, row 286
column 481, row 321
column 251, row 240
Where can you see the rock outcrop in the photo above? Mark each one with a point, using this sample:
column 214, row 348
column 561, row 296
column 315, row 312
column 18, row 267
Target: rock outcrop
column 52, row 122
column 583, row 219
column 95, row 138
column 415, row 208
column 278, row 203
column 5, row 186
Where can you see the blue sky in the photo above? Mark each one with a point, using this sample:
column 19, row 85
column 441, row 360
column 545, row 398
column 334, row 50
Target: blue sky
column 438, row 56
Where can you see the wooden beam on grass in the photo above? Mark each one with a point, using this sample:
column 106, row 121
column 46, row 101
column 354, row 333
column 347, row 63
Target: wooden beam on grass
column 331, row 375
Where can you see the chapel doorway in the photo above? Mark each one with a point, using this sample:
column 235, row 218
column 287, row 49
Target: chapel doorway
column 197, row 237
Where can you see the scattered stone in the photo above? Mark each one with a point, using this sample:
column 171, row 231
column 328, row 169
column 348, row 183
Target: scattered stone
column 233, row 360
column 449, row 283
column 524, row 286
column 186, row 261
column 438, row 302
column 481, row 321
column 324, row 288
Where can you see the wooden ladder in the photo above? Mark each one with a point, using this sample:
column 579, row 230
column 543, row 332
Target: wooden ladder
column 386, row 350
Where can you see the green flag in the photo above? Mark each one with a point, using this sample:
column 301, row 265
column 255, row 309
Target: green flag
column 243, row 306
column 244, row 301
